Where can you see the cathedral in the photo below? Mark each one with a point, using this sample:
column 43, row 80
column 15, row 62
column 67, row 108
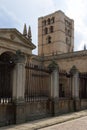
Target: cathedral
column 44, row 85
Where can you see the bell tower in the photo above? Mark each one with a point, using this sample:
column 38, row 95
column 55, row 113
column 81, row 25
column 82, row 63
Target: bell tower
column 55, row 34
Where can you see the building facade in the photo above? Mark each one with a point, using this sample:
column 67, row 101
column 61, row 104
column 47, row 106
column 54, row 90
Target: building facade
column 48, row 84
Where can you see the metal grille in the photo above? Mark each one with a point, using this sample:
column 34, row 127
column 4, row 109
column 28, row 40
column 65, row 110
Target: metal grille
column 37, row 83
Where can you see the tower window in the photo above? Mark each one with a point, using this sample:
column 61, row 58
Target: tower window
column 45, row 30
column 51, row 29
column 52, row 20
column 49, row 39
column 48, row 20
column 69, row 32
column 44, row 22
column 66, row 31
column 66, row 40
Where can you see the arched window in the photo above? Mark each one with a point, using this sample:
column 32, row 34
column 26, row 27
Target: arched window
column 44, row 22
column 52, row 20
column 66, row 31
column 46, row 31
column 51, row 29
column 66, row 40
column 69, row 32
column 49, row 39
column 48, row 20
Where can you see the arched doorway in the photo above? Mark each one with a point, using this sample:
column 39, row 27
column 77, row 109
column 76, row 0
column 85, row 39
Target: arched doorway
column 6, row 66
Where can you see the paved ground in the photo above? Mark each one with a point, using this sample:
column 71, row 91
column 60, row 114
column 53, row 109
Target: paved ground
column 38, row 124
column 77, row 124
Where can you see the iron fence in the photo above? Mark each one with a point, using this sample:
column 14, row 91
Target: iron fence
column 37, row 83
column 83, row 85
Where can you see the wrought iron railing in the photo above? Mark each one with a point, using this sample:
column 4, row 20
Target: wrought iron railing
column 37, row 83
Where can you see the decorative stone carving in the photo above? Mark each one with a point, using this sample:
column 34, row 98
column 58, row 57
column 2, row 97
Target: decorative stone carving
column 53, row 65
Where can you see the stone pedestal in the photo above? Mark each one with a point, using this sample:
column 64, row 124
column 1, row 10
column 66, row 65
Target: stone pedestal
column 19, row 89
column 19, row 112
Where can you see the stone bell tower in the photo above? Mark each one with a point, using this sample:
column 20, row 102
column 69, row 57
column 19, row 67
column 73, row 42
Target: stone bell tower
column 55, row 34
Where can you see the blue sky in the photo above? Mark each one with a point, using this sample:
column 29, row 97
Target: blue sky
column 14, row 13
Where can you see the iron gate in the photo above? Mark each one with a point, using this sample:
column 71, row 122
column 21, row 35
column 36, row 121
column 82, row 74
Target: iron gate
column 6, row 66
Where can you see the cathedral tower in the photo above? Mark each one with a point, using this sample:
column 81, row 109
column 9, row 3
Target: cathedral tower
column 55, row 34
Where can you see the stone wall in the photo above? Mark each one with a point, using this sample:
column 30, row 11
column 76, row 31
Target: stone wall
column 39, row 109
column 84, row 104
column 36, row 110
column 67, row 60
column 61, row 106
column 81, row 104
column 7, row 116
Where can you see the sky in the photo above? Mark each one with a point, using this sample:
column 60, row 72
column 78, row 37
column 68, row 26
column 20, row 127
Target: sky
column 15, row 13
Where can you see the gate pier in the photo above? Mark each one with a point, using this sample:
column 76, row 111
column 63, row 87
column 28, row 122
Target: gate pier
column 18, row 89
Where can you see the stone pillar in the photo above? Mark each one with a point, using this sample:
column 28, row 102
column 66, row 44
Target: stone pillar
column 75, row 82
column 54, row 90
column 55, row 84
column 19, row 89
column 75, row 87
